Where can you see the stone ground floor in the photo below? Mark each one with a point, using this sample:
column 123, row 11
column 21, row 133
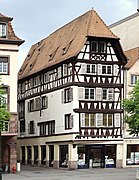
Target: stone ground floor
column 78, row 154
column 37, row 173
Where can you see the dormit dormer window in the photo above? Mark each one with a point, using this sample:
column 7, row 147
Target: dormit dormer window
column 3, row 30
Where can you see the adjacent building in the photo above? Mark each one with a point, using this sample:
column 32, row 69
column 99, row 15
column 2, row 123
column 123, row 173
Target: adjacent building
column 128, row 29
column 70, row 88
column 9, row 45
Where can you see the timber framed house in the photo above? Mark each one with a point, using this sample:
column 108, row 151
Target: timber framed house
column 70, row 88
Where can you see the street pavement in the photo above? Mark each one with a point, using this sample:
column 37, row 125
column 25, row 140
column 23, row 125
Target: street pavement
column 41, row 173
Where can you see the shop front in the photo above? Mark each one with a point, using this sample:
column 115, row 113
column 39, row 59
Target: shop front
column 97, row 156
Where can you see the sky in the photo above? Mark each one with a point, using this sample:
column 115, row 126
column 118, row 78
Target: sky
column 34, row 20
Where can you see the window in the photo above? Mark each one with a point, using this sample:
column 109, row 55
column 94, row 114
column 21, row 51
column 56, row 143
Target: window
column 42, row 129
column 89, row 120
column 68, row 121
column 89, row 93
column 4, row 65
column 31, row 105
column 46, row 77
column 104, row 94
column 22, row 126
column 51, row 127
column 91, row 68
column 59, row 73
column 21, row 110
column 3, row 30
column 31, row 127
column 134, row 79
column 102, row 47
column 44, row 102
column 36, row 81
column 99, row 47
column 107, row 120
column 65, row 69
column 67, row 95
column 132, row 154
column 106, row 69
column 107, row 94
column 94, row 46
column 37, row 103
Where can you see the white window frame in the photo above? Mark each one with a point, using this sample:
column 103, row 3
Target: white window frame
column 3, row 30
column 90, row 68
column 134, row 79
column 89, row 93
column 4, row 65
column 109, row 94
column 106, row 70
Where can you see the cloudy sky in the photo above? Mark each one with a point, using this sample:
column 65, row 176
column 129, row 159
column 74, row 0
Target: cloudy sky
column 34, row 20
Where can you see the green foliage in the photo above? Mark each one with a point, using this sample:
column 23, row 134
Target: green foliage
column 4, row 113
column 131, row 107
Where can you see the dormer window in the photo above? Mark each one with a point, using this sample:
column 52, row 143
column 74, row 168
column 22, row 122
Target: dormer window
column 3, row 30
column 98, row 46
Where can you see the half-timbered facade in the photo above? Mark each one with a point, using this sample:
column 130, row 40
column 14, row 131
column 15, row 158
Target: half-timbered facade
column 9, row 46
column 70, row 88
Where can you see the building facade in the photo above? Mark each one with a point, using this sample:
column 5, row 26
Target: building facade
column 127, row 29
column 9, row 44
column 70, row 88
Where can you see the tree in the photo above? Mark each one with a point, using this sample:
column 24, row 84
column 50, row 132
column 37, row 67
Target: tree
column 4, row 117
column 131, row 107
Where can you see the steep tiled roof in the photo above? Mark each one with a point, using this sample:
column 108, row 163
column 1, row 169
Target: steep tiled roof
column 69, row 38
column 132, row 56
column 11, row 34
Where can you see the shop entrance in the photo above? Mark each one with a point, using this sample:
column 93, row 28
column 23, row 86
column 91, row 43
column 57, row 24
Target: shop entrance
column 100, row 156
column 95, row 156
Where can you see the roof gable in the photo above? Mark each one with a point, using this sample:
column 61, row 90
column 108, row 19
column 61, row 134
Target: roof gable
column 11, row 37
column 132, row 56
column 64, row 43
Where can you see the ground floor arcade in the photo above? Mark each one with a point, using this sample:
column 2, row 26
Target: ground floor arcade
column 71, row 154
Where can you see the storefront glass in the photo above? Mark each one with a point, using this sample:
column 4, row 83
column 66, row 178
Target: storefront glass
column 132, row 154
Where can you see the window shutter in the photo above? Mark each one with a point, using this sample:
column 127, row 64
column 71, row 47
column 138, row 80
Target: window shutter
column 40, row 103
column 99, row 119
column 71, row 122
column 82, row 119
column 71, row 94
column 83, row 68
column 117, row 120
column 29, row 128
column 64, row 69
column 28, row 106
column 33, row 127
column 115, row 70
column 62, row 97
column 46, row 101
column 99, row 69
column 110, row 94
column 99, row 94
column 80, row 93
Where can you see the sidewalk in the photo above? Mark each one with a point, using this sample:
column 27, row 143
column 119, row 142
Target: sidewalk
column 38, row 173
